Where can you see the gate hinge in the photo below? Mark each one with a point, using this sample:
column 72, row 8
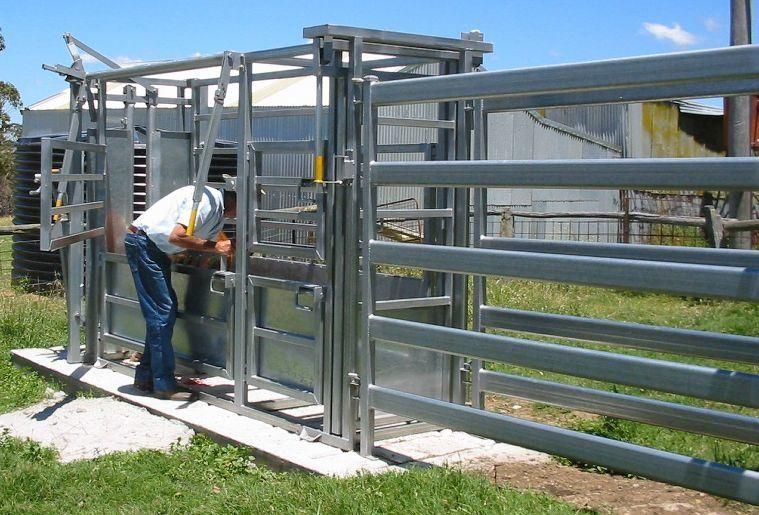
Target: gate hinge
column 354, row 382
column 465, row 373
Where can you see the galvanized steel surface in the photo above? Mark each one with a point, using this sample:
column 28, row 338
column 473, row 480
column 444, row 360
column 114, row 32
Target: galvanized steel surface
column 576, row 263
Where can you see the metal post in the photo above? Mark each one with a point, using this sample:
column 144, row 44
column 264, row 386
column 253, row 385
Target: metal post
column 480, row 227
column 129, row 101
column 72, row 256
column 94, row 249
column 349, row 244
column 369, row 205
column 242, row 224
column 738, row 117
column 460, row 234
column 152, row 193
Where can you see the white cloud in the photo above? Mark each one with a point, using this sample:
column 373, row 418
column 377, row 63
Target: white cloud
column 712, row 24
column 676, row 34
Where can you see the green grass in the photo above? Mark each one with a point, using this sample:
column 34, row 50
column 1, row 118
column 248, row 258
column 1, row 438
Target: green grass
column 203, row 477
column 26, row 320
column 208, row 478
column 691, row 313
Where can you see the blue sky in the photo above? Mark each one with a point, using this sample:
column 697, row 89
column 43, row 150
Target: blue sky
column 524, row 32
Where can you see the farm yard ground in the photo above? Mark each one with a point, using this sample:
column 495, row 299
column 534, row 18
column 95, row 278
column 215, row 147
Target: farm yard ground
column 207, row 476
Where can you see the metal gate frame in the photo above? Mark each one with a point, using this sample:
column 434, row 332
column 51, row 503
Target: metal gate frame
column 334, row 178
column 719, row 273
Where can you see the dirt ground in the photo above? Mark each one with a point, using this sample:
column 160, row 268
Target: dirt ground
column 604, row 493
column 598, row 492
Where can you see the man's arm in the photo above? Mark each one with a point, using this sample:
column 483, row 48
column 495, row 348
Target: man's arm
column 180, row 238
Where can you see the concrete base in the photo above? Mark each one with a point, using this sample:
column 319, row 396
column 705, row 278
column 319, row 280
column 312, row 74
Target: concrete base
column 276, row 447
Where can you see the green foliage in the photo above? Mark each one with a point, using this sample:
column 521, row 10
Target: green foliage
column 9, row 132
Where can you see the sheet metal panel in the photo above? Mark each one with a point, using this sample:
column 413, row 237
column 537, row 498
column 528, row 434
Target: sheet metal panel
column 201, row 329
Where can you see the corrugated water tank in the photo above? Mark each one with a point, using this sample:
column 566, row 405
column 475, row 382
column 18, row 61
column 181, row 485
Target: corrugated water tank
column 33, row 269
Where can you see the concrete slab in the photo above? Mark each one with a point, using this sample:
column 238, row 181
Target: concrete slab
column 82, row 428
column 275, row 446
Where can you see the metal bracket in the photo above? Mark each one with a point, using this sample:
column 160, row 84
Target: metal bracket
column 227, row 277
column 354, row 383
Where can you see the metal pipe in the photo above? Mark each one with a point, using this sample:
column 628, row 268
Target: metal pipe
column 689, row 72
column 739, row 120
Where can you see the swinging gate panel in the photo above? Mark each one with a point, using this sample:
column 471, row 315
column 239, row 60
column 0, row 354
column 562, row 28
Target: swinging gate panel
column 730, row 274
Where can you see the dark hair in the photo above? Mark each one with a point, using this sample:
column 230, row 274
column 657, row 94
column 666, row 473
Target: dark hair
column 230, row 196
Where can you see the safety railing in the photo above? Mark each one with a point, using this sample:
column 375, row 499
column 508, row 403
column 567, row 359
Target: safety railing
column 680, row 271
column 66, row 210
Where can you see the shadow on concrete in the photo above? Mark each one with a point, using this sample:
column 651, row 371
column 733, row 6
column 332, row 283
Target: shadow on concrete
column 47, row 412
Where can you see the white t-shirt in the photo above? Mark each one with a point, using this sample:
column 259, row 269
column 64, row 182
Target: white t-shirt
column 161, row 218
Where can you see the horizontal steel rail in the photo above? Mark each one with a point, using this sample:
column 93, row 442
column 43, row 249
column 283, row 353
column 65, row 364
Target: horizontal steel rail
column 650, row 411
column 416, row 302
column 395, row 38
column 273, row 181
column 417, row 122
column 288, row 226
column 621, row 95
column 692, row 255
column 672, row 278
column 66, row 177
column 81, row 146
column 403, row 148
column 707, row 383
column 287, row 215
column 159, row 100
column 715, row 478
column 738, row 66
column 77, row 208
column 740, row 173
column 414, row 214
column 179, row 65
column 285, row 147
column 59, row 243
column 288, row 250
column 283, row 337
column 140, row 70
column 726, row 347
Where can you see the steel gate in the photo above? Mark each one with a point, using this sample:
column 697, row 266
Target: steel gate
column 718, row 273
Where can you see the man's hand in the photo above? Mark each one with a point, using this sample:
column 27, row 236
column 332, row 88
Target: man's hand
column 224, row 247
column 180, row 238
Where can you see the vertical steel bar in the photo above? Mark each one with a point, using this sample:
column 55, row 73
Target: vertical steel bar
column 460, row 233
column 93, row 260
column 350, row 244
column 318, row 115
column 739, row 120
column 242, row 224
column 368, row 196
column 480, row 228
column 152, row 194
column 330, row 356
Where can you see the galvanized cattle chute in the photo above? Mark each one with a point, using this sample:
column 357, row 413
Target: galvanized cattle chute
column 307, row 308
column 283, row 316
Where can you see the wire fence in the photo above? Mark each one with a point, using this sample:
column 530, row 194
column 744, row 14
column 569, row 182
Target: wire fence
column 645, row 217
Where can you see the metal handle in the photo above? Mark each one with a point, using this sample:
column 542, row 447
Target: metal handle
column 229, row 281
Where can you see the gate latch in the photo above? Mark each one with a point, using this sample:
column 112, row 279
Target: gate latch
column 354, row 382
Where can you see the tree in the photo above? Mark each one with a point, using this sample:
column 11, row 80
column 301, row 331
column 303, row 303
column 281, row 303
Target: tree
column 9, row 132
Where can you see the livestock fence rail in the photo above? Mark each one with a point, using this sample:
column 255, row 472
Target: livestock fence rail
column 675, row 270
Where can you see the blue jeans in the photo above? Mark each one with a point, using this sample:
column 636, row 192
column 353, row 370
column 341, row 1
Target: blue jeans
column 151, row 270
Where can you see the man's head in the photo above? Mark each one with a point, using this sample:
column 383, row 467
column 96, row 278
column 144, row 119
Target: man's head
column 230, row 204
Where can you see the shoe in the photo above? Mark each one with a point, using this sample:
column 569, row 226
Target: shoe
column 176, row 395
column 144, row 386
